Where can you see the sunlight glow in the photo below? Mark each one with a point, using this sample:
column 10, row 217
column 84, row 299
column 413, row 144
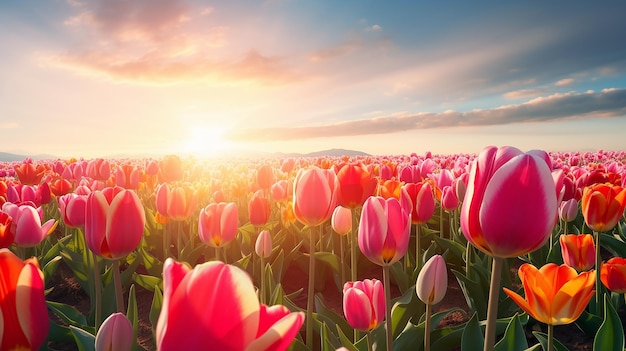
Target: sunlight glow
column 206, row 142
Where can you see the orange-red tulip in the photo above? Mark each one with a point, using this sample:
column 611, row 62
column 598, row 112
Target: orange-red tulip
column 24, row 321
column 578, row 250
column 215, row 306
column 555, row 294
column 259, row 209
column 29, row 174
column 613, row 274
column 7, row 236
column 355, row 184
column 176, row 202
column 603, row 206
column 423, row 199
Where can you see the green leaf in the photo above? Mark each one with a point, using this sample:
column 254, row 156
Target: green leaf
column 59, row 333
column 67, row 313
column 132, row 314
column 589, row 322
column 475, row 295
column 514, row 338
column 403, row 310
column 543, row 341
column 610, row 336
column 411, row 337
column 472, row 338
column 147, row 282
column 155, row 308
column 324, row 314
column 50, row 268
column 84, row 340
column 345, row 341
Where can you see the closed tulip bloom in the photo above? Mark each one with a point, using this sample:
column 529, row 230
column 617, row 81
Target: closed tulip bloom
column 259, row 209
column 364, row 304
column 60, row 186
column 341, row 220
column 280, row 190
column 449, row 201
column 27, row 226
column 263, row 245
column 176, row 202
column 510, row 206
column 218, row 223
column 7, row 236
column 423, row 199
column 170, row 169
column 613, row 274
column 603, row 206
column 115, row 334
column 568, row 210
column 265, row 176
column 390, row 188
column 23, row 313
column 99, row 169
column 385, row 228
column 127, row 176
column 432, row 281
column 72, row 209
column 114, row 222
column 215, row 305
column 578, row 250
column 355, row 184
column 314, row 195
column 555, row 294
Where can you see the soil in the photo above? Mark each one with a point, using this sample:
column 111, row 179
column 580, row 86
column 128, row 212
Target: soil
column 67, row 290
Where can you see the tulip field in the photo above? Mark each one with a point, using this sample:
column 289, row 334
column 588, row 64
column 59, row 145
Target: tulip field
column 500, row 249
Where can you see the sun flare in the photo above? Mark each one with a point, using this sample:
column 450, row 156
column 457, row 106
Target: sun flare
column 207, row 142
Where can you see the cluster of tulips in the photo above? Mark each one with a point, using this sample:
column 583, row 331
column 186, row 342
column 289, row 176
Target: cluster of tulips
column 212, row 241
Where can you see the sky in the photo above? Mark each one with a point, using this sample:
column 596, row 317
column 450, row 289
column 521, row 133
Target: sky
column 99, row 78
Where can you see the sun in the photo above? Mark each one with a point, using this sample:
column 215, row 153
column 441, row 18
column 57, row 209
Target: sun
column 206, row 142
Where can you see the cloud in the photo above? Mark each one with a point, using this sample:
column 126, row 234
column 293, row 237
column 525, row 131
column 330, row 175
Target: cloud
column 522, row 94
column 607, row 103
column 160, row 41
column 564, row 82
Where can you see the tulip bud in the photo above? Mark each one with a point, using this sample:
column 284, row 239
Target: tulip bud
column 568, row 210
column 364, row 304
column 115, row 333
column 613, row 274
column 263, row 245
column 341, row 220
column 579, row 251
column 432, row 281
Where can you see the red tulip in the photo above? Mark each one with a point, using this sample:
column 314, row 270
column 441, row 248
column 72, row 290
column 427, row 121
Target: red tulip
column 127, row 176
column 99, row 169
column 280, row 190
column 115, row 333
column 385, row 229
column 60, row 186
column 314, row 195
column 7, row 236
column 114, row 222
column 510, row 207
column 613, row 274
column 24, row 321
column 215, row 305
column 265, row 177
column 364, row 304
column 218, row 223
column 259, row 209
column 449, row 201
column 423, row 199
column 355, row 184
column 603, row 206
column 578, row 250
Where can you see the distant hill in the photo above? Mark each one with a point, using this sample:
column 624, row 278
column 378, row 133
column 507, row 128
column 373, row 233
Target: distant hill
column 329, row 152
column 9, row 157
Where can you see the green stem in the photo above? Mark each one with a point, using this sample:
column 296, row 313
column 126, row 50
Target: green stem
column 388, row 323
column 179, row 240
column 550, row 337
column 353, row 252
column 427, row 327
column 342, row 258
column 468, row 259
column 166, row 243
column 117, row 280
column 492, row 308
column 97, row 290
column 369, row 341
column 418, row 249
column 598, row 269
column 310, row 291
column 262, row 290
column 441, row 235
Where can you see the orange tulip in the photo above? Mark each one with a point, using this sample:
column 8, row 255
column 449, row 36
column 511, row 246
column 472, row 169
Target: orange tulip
column 555, row 294
column 613, row 274
column 29, row 174
column 579, row 251
column 603, row 206
column 23, row 312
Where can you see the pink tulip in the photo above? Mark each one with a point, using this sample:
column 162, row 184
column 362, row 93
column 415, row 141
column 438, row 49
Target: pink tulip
column 127, row 176
column 314, row 195
column 263, row 245
column 385, row 228
column 364, row 304
column 510, row 207
column 215, row 305
column 449, row 201
column 218, row 223
column 432, row 281
column 176, row 202
column 99, row 169
column 114, row 222
column 72, row 209
column 341, row 220
column 568, row 210
column 115, row 333
column 24, row 323
column 27, row 226
column 280, row 190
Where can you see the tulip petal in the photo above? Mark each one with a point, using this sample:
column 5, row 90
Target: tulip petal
column 95, row 221
column 280, row 335
column 125, row 224
column 31, row 305
column 357, row 309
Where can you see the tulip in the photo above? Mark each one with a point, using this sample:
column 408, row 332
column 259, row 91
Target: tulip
column 265, row 177
column 115, row 333
column 280, row 190
column 99, row 169
column 555, row 295
column 263, row 244
column 421, row 195
column 60, row 186
column 215, row 305
column 314, row 196
column 341, row 220
column 23, row 313
column 355, row 184
column 449, row 201
column 72, row 209
column 7, row 236
column 259, row 209
column 364, row 304
column 568, row 210
column 509, row 210
column 431, row 286
column 27, row 226
column 390, row 188
column 176, row 202
column 218, row 223
column 127, row 176
column 579, row 251
column 603, row 205
column 613, row 274
column 28, row 173
column 114, row 222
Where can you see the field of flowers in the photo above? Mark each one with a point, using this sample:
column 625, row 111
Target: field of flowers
column 533, row 241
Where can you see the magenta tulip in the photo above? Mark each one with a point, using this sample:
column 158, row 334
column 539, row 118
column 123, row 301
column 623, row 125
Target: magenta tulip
column 214, row 305
column 218, row 223
column 114, row 222
column 510, row 207
column 364, row 304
